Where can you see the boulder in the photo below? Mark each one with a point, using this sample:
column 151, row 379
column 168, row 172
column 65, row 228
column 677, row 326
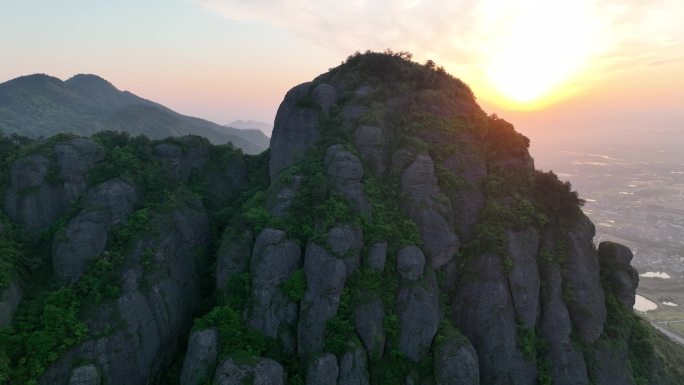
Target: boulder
column 617, row 272
column 455, row 361
column 264, row 372
column 371, row 143
column 281, row 195
column 323, row 371
column 200, row 358
column 345, row 171
column 274, row 259
column 410, row 263
column 353, row 367
column 346, row 242
column 419, row 316
column 325, row 96
column 430, row 210
column 295, row 130
column 106, row 206
column 10, row 297
column 377, row 255
column 369, row 318
column 325, row 278
column 85, row 375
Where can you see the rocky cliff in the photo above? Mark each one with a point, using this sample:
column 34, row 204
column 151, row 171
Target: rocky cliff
column 394, row 234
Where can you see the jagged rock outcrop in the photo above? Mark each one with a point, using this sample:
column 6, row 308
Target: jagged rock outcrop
column 200, row 358
column 295, row 129
column 133, row 337
column 405, row 238
column 85, row 236
column 41, row 189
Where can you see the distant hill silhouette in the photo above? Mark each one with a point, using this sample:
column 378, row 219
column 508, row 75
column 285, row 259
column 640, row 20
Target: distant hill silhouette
column 41, row 105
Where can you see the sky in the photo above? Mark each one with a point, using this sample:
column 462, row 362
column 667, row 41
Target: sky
column 553, row 68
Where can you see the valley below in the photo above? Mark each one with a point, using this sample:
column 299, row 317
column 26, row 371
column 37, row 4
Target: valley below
column 634, row 196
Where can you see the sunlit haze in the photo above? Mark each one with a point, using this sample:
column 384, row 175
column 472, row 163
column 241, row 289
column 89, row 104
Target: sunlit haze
column 543, row 65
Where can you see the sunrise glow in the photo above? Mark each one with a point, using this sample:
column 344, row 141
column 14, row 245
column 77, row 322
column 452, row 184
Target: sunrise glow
column 548, row 45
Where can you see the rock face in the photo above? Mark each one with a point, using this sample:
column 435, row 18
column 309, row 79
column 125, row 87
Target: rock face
column 353, row 369
column 296, row 125
column 456, row 362
column 410, row 263
column 523, row 278
column 430, row 210
column 201, row 357
column 433, row 253
column 485, row 313
column 345, row 171
column 10, row 297
column 419, row 316
column 41, row 189
column 622, row 278
column 323, row 371
column 85, row 236
column 325, row 277
column 85, row 375
column 274, row 259
column 555, row 325
column 369, row 318
column 264, row 372
column 145, row 320
column 581, row 278
column 372, row 145
column 75, row 158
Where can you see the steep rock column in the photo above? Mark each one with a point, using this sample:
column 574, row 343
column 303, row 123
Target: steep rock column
column 582, row 285
column 274, row 259
column 325, row 278
column 430, row 210
column 484, row 311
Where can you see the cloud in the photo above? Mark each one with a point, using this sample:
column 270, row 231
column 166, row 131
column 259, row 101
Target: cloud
column 488, row 39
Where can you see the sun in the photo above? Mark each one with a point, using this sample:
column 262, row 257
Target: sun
column 544, row 46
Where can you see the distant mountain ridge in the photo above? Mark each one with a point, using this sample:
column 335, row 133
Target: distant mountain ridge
column 42, row 105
